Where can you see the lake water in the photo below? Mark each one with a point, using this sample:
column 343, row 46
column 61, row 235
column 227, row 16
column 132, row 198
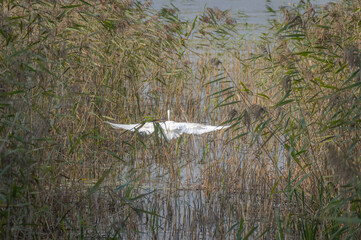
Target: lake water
column 255, row 10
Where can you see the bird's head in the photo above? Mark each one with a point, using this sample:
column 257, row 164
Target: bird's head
column 168, row 113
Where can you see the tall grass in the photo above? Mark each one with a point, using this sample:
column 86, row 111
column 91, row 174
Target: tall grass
column 64, row 68
column 307, row 71
column 288, row 168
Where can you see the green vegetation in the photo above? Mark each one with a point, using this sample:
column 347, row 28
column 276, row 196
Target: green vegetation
column 288, row 168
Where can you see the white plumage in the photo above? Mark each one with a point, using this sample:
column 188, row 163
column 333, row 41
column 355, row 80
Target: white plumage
column 170, row 129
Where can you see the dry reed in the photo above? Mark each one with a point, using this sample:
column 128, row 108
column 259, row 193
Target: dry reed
column 288, row 168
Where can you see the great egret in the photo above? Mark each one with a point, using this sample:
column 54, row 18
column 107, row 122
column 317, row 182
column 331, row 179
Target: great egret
column 170, row 129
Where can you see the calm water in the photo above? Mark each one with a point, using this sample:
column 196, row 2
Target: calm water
column 254, row 9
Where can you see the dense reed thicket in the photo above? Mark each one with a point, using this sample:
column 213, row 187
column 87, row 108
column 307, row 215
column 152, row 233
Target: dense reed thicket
column 63, row 67
column 308, row 70
column 289, row 167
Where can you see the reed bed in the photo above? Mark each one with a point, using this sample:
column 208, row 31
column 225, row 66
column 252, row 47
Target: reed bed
column 288, row 167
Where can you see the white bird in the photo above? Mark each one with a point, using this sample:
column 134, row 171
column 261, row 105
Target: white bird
column 170, row 129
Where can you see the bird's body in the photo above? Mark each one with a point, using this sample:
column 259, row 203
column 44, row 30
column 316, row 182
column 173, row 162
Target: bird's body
column 170, row 129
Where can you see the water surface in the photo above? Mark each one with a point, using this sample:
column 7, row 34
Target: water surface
column 255, row 10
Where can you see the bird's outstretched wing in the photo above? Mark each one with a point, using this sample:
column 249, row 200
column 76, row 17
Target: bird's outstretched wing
column 191, row 128
column 146, row 128
column 196, row 128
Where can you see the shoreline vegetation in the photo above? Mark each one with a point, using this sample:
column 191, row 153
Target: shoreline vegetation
column 288, row 168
